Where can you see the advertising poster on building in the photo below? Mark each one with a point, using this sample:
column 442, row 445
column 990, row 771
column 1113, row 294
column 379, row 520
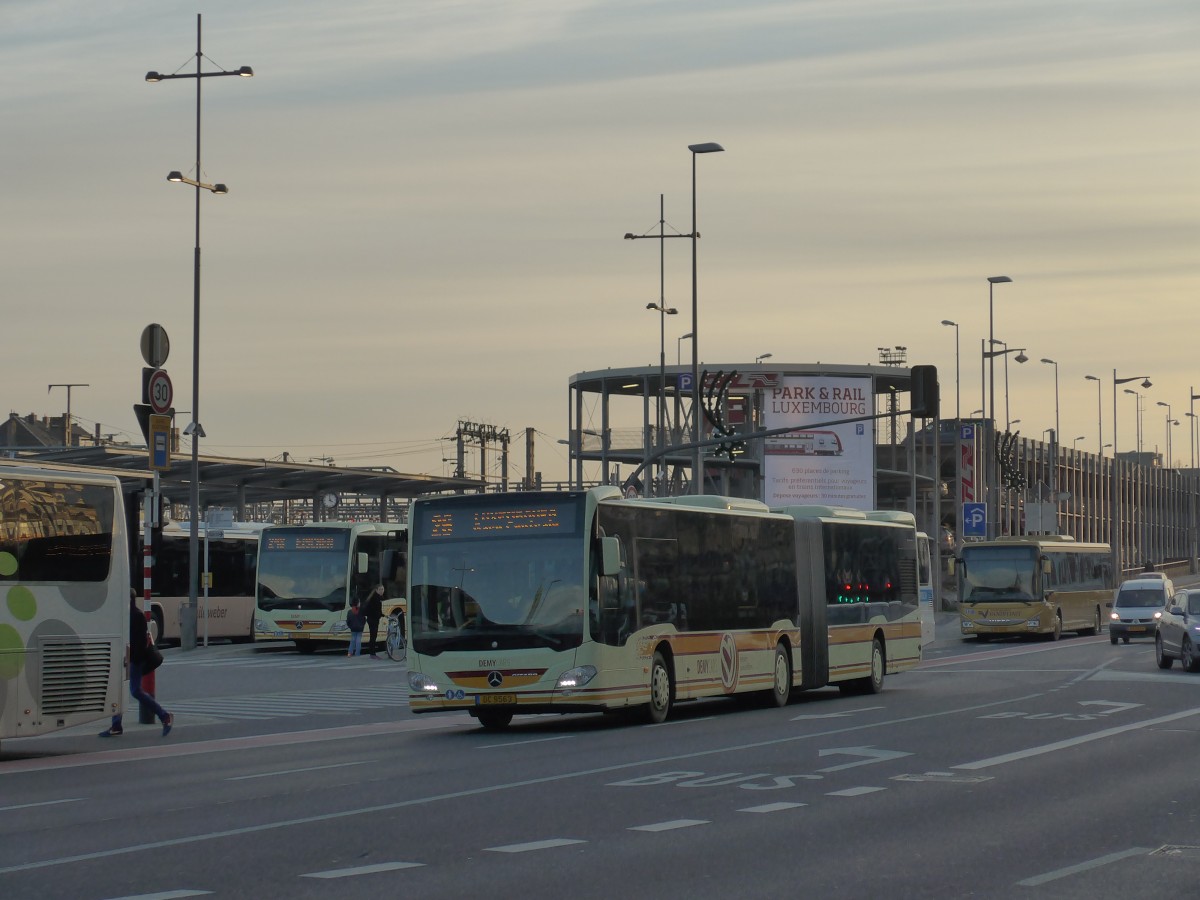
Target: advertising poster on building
column 819, row 463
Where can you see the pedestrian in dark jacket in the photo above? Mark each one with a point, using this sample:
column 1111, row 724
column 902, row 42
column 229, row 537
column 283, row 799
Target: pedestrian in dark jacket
column 356, row 622
column 137, row 651
column 374, row 612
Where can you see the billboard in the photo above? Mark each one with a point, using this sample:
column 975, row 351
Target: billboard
column 817, row 462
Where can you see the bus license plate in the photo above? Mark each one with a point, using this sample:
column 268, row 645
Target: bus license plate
column 496, row 699
column 1137, row 627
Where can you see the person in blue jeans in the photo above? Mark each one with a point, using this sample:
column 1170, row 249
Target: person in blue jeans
column 357, row 621
column 139, row 642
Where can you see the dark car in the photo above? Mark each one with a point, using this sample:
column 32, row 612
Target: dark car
column 1178, row 634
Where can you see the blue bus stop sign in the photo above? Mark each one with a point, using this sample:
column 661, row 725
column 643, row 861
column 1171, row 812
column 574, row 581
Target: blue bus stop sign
column 974, row 520
column 684, row 383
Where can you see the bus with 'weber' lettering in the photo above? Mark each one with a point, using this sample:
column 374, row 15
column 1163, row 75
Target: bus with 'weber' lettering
column 64, row 622
column 589, row 602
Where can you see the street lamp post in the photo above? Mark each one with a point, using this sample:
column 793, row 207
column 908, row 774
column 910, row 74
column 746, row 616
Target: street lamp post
column 1075, row 443
column 992, row 492
column 1137, row 409
column 1116, row 489
column 194, row 429
column 761, row 357
column 663, row 312
column 697, row 464
column 678, row 342
column 1051, row 362
column 1168, row 441
column 957, row 372
column 1099, row 417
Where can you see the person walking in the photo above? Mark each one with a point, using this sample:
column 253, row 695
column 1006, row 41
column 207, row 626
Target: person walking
column 356, row 621
column 136, row 653
column 374, row 612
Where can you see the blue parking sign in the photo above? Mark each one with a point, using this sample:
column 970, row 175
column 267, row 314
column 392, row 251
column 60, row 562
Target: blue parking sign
column 974, row 520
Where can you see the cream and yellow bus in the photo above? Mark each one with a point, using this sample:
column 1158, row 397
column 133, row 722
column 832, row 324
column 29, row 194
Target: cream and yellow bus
column 307, row 575
column 1035, row 585
column 64, row 622
column 588, row 602
column 229, row 556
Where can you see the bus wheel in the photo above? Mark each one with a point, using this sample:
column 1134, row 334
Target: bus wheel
column 1057, row 632
column 873, row 683
column 661, row 689
column 156, row 627
column 782, row 688
column 494, row 719
column 306, row 647
column 1094, row 628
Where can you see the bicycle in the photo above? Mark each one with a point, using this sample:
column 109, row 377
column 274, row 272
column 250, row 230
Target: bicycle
column 397, row 646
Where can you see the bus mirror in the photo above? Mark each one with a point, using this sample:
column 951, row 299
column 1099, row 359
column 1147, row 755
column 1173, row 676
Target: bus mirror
column 362, row 563
column 610, row 556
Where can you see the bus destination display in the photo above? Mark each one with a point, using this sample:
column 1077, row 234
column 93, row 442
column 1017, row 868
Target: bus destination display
column 305, row 541
column 452, row 524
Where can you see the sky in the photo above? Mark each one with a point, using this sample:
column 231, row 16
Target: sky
column 427, row 204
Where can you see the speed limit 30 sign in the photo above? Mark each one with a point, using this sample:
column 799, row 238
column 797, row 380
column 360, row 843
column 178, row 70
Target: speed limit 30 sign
column 160, row 391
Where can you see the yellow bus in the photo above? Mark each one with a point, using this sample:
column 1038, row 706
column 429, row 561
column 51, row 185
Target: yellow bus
column 64, row 572
column 588, row 602
column 1034, row 585
column 307, row 575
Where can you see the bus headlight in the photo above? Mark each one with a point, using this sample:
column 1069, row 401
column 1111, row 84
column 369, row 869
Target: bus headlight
column 575, row 678
column 420, row 684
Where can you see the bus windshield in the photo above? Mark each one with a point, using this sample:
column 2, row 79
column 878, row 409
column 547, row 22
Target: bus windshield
column 998, row 574
column 491, row 576
column 303, row 568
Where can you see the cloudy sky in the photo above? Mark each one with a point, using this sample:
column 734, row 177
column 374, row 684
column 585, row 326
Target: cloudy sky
column 427, row 203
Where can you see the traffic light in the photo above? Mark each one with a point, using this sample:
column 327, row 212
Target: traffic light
column 925, row 400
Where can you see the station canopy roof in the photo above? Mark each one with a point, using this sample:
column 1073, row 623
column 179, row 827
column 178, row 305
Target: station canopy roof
column 224, row 481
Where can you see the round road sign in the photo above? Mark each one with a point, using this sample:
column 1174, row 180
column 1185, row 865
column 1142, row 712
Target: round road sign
column 161, row 392
column 155, row 345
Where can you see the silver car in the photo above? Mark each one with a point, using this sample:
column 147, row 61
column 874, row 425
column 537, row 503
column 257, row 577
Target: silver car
column 1178, row 633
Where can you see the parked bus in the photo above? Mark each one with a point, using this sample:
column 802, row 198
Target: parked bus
column 307, row 575
column 1044, row 584
column 231, row 559
column 64, row 571
column 586, row 602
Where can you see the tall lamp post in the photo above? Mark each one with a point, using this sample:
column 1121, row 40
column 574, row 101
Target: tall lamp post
column 1116, row 490
column 194, row 429
column 1099, row 416
column 957, row 371
column 761, row 357
column 1075, row 443
column 1137, row 409
column 993, row 493
column 663, row 312
column 1051, row 362
column 697, row 456
column 1168, row 442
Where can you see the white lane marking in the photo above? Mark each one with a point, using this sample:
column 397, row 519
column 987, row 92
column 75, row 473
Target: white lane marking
column 834, row 715
column 294, row 771
column 561, row 737
column 43, row 803
column 855, row 791
column 1084, row 866
column 165, row 895
column 772, row 807
column 670, row 826
column 534, row 845
column 363, row 870
column 1073, row 742
column 356, row 731
column 870, row 753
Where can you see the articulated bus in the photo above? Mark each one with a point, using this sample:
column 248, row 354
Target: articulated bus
column 64, row 571
column 1044, row 584
column 307, row 575
column 231, row 560
column 588, row 602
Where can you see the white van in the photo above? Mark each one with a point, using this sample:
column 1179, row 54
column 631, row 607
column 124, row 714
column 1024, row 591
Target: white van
column 1137, row 606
